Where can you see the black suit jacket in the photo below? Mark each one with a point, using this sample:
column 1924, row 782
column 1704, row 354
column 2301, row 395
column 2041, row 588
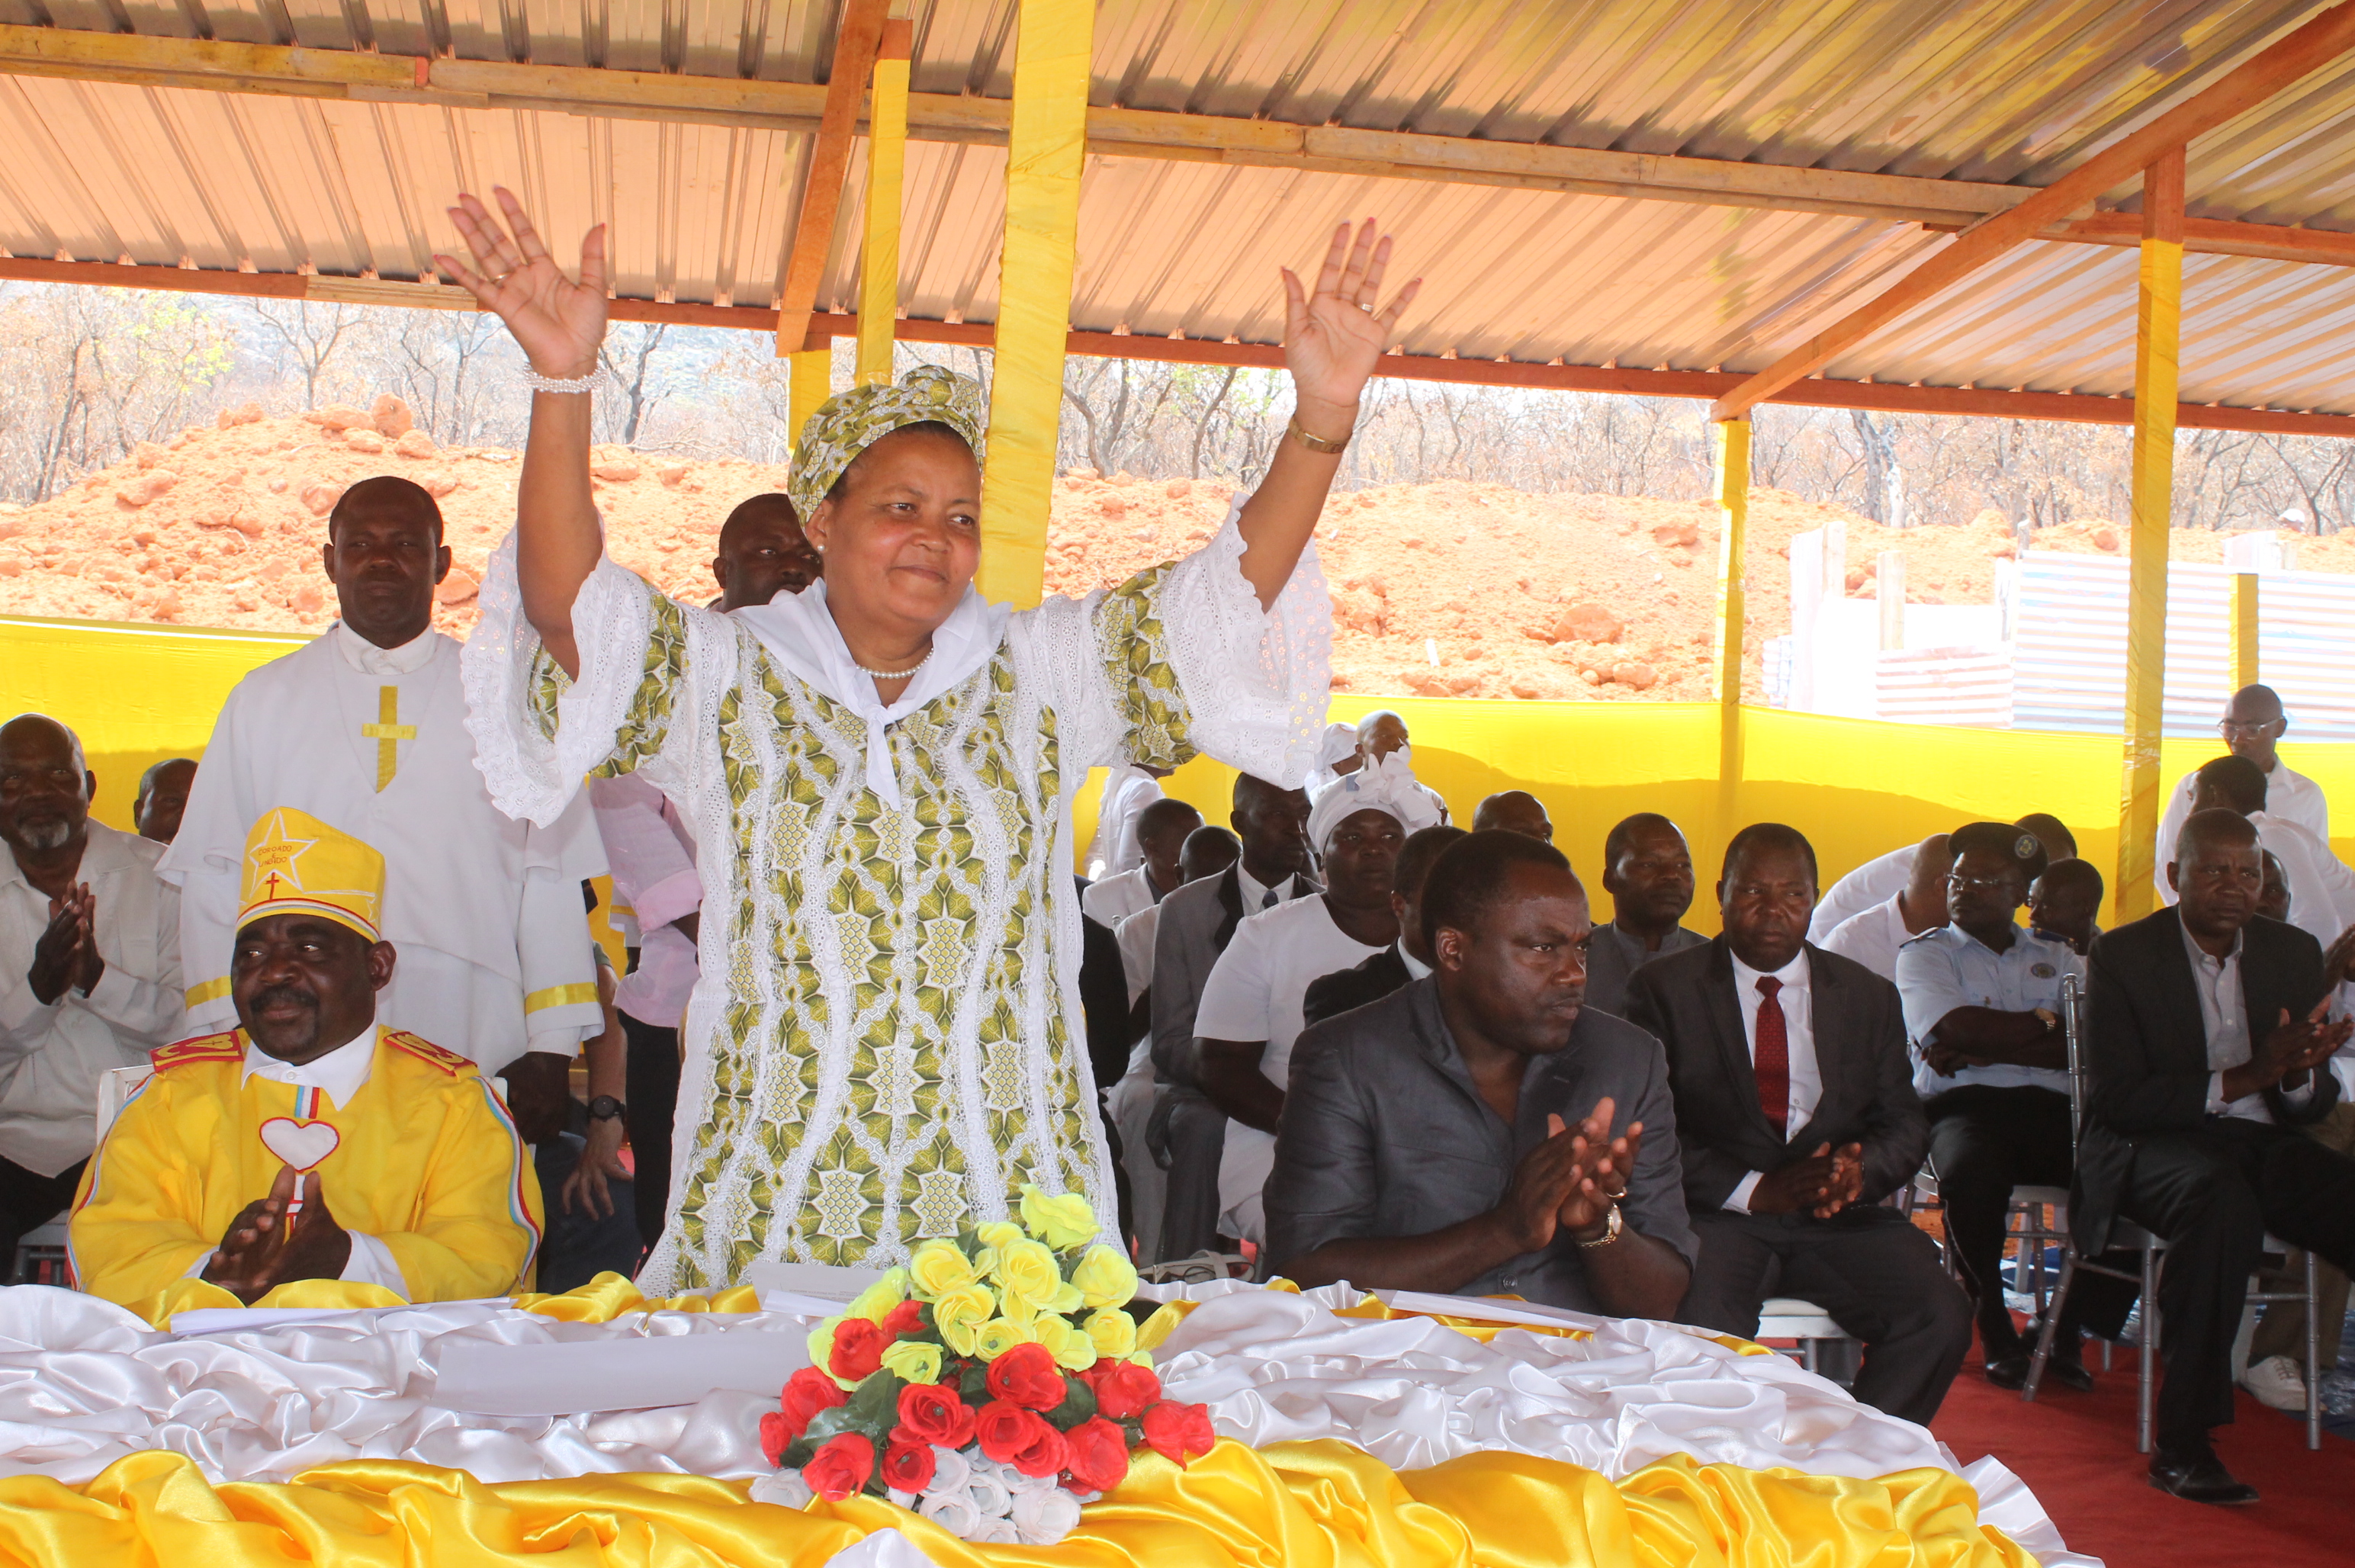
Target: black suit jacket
column 1345, row 990
column 2146, row 1048
column 1687, row 1001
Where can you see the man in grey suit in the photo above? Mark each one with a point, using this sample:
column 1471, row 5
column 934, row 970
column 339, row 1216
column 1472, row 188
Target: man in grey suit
column 1796, row 1115
column 1648, row 872
column 1457, row 1136
column 1188, row 1133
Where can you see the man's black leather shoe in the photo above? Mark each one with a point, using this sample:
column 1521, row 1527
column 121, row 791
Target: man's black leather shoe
column 2069, row 1371
column 2204, row 1479
column 2009, row 1372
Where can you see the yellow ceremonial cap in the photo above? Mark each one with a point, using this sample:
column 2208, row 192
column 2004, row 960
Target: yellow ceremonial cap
column 296, row 864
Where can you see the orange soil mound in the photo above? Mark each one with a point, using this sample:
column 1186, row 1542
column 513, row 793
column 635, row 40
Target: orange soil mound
column 1448, row 589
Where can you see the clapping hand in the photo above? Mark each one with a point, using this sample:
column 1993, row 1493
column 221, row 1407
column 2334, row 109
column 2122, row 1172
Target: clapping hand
column 260, row 1250
column 559, row 323
column 66, row 954
column 1604, row 1164
column 1334, row 336
column 1823, row 1183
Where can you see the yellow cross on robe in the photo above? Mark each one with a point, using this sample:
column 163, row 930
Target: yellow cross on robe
column 387, row 734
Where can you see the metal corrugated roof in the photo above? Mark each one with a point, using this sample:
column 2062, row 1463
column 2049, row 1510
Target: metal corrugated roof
column 1982, row 89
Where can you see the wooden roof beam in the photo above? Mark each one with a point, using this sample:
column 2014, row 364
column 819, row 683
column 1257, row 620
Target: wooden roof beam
column 2247, row 85
column 857, row 35
column 1814, row 392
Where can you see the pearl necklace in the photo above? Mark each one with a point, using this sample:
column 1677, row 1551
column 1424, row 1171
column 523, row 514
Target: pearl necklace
column 896, row 674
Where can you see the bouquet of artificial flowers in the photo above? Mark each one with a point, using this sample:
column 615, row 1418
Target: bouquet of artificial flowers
column 993, row 1385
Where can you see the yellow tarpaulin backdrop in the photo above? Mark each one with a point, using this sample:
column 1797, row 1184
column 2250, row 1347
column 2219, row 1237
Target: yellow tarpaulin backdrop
column 1856, row 788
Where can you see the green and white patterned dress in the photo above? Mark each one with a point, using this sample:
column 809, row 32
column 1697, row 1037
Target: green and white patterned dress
column 884, row 1041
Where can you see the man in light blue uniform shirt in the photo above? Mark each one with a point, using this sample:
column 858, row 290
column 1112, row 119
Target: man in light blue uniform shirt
column 1982, row 1000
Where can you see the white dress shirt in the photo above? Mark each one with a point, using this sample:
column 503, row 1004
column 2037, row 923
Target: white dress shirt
column 1872, row 937
column 652, row 856
column 1128, row 790
column 1136, row 937
column 2321, row 888
column 1881, row 878
column 52, row 1055
column 1254, row 891
column 2223, row 1014
column 1112, row 899
column 339, row 1074
column 2288, row 794
column 369, row 659
column 1797, row 1001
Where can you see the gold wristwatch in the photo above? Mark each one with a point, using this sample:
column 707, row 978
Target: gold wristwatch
column 1611, row 1229
column 1315, row 442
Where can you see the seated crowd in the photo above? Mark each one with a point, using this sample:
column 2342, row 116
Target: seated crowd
column 1338, row 1038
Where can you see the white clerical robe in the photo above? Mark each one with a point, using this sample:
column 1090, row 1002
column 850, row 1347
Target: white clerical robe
column 485, row 911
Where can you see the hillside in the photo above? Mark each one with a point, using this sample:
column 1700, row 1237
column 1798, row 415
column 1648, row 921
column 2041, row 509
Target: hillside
column 1447, row 589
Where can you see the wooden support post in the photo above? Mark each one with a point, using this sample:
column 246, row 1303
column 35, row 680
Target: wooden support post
column 2244, row 630
column 812, row 383
column 1888, row 597
column 857, row 33
column 1046, row 145
column 887, row 148
column 1732, row 609
column 2158, row 332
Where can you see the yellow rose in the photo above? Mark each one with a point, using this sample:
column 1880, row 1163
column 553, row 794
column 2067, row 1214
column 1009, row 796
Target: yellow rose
column 997, row 1233
column 1000, row 1335
column 1029, row 1270
column 1014, row 1309
column 875, row 1303
column 1067, row 1299
column 913, row 1359
column 1112, row 1332
column 937, row 1267
column 959, row 1314
column 1062, row 1222
column 1073, row 1351
column 1105, row 1278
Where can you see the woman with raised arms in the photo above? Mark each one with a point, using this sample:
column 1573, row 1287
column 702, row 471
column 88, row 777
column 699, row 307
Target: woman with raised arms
column 884, row 1041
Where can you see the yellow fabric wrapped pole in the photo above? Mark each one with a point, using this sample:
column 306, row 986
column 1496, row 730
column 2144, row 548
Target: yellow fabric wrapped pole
column 886, row 147
column 1046, row 145
column 812, row 383
column 1732, row 596
column 2158, row 333
column 2244, row 630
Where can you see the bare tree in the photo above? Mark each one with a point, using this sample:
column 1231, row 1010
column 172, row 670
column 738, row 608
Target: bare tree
column 628, row 356
column 310, row 332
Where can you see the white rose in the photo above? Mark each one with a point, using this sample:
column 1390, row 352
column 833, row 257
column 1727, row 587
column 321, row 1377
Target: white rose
column 996, row 1532
column 783, row 1488
column 951, row 1471
column 988, row 1491
column 1042, row 1519
column 953, row 1512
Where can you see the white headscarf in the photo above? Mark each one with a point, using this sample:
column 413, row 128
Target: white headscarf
column 1386, row 784
column 800, row 635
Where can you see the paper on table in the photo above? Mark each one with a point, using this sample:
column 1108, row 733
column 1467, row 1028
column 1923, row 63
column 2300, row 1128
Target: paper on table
column 823, row 1281
column 573, row 1378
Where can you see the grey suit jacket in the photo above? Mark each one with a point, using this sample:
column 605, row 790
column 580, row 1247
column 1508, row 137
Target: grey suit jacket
column 1197, row 922
column 1686, row 999
column 1384, row 1134
column 1612, row 958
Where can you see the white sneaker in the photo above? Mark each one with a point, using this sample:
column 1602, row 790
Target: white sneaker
column 2278, row 1382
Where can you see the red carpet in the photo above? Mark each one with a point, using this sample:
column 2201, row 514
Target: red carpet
column 2076, row 1452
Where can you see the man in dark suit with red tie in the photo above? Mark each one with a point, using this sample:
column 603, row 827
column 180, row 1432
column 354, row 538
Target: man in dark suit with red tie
column 1797, row 1115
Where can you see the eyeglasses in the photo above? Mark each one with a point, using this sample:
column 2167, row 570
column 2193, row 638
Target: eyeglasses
column 2231, row 726
column 1978, row 884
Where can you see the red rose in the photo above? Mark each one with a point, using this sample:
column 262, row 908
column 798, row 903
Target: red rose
column 809, row 1392
column 932, row 1414
column 1123, row 1389
column 1096, row 1457
column 907, row 1317
column 841, row 1465
column 1179, row 1432
column 1044, row 1452
column 776, row 1436
column 908, row 1467
column 858, row 1349
column 1026, row 1375
column 1001, row 1429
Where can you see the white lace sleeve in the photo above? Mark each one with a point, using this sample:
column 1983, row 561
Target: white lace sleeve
column 532, row 773
column 1255, row 683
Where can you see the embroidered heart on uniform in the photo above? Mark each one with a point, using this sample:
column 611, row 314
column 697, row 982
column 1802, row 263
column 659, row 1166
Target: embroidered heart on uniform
column 300, row 1144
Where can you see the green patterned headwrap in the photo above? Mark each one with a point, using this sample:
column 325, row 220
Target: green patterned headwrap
column 849, row 422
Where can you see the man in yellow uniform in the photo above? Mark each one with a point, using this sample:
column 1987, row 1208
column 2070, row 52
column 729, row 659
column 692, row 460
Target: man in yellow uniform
column 311, row 1143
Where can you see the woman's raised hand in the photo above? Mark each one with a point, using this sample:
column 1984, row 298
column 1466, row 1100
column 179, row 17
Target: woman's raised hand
column 1333, row 337
column 559, row 323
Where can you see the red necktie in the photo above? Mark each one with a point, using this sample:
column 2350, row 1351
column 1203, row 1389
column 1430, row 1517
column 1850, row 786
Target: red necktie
column 1772, row 1058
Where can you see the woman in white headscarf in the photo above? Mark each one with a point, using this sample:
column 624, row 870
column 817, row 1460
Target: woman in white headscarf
column 884, row 1043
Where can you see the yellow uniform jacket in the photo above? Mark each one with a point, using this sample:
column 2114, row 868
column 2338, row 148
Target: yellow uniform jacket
column 427, row 1161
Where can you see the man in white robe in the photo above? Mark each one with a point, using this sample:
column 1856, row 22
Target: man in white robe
column 2321, row 888
column 366, row 730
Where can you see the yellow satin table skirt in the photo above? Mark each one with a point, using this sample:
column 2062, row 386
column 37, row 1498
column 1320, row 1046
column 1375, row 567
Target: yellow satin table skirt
column 1295, row 1505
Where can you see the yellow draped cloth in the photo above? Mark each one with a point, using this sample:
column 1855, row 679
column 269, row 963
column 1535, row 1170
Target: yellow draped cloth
column 1292, row 1505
